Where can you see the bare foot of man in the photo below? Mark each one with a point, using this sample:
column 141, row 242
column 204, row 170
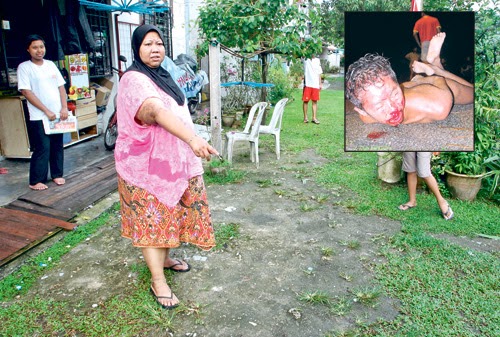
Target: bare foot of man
column 433, row 55
column 59, row 181
column 420, row 68
column 39, row 187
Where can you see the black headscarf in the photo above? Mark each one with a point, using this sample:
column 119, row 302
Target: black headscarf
column 159, row 76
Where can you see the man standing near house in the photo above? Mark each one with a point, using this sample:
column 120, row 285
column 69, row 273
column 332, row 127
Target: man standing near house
column 423, row 31
column 312, row 86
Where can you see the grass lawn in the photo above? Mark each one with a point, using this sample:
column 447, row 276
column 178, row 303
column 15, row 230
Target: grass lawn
column 443, row 289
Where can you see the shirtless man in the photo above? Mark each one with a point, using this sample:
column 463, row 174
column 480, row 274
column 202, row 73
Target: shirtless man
column 372, row 87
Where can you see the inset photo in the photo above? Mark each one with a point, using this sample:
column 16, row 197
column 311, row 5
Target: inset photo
column 409, row 81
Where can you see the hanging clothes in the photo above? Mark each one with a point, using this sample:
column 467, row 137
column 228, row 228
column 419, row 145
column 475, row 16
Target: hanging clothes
column 52, row 34
column 72, row 44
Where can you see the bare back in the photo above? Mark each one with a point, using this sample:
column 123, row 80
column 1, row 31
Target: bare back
column 427, row 100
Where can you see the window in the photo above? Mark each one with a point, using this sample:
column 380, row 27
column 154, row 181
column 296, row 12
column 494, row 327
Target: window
column 100, row 56
column 164, row 22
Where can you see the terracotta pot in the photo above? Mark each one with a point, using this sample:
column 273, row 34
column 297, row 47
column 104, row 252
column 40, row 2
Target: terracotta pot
column 463, row 187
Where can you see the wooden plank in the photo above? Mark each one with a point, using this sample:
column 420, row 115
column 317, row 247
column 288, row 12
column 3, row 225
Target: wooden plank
column 27, row 247
column 18, row 217
column 91, row 177
column 29, row 207
column 87, row 195
column 38, row 215
column 88, row 188
column 21, row 230
column 107, row 162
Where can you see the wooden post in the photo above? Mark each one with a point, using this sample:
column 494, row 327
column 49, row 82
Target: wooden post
column 215, row 100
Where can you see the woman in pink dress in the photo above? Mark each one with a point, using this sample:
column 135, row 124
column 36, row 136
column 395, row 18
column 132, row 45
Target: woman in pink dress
column 158, row 160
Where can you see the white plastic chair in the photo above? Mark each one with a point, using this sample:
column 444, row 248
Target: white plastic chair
column 274, row 126
column 249, row 134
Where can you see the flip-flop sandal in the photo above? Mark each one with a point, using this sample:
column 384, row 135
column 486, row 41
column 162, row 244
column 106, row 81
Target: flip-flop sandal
column 179, row 263
column 157, row 298
column 405, row 207
column 306, row 121
column 448, row 215
column 315, row 121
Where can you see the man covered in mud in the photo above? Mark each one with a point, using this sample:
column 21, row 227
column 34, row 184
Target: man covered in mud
column 372, row 87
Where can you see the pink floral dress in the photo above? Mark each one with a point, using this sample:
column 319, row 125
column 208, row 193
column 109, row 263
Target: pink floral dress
column 162, row 194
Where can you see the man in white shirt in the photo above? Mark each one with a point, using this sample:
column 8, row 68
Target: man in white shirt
column 312, row 86
column 41, row 82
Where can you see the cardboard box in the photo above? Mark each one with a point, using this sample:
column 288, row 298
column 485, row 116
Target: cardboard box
column 104, row 82
column 87, row 120
column 102, row 94
column 85, row 107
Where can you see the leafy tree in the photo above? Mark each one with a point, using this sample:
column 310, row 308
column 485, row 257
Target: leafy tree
column 257, row 27
column 328, row 15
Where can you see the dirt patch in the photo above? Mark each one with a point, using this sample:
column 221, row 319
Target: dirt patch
column 252, row 286
column 480, row 244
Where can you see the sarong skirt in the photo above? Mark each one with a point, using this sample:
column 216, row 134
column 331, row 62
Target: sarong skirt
column 150, row 223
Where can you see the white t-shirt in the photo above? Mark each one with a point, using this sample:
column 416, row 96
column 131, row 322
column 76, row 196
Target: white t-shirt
column 44, row 81
column 312, row 71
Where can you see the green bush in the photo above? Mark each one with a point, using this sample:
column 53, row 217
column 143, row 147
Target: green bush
column 282, row 83
column 296, row 72
column 484, row 159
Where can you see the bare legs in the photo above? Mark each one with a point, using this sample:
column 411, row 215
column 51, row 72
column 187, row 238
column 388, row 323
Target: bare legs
column 411, row 178
column 155, row 259
column 314, row 110
column 305, row 106
column 463, row 91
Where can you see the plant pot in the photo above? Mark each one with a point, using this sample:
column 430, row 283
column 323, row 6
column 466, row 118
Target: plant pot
column 228, row 120
column 463, row 187
column 389, row 166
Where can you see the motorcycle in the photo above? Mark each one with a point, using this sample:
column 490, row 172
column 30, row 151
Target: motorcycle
column 111, row 132
column 184, row 70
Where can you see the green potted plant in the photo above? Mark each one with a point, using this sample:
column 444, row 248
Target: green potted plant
column 468, row 170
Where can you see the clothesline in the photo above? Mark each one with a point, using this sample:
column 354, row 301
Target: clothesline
column 236, row 54
column 249, row 84
column 242, row 82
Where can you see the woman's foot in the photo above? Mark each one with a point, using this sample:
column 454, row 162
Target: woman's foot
column 163, row 294
column 59, row 181
column 39, row 187
column 315, row 121
column 306, row 120
column 179, row 266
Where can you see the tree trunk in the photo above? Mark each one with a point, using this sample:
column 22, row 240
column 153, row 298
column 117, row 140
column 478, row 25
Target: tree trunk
column 265, row 67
